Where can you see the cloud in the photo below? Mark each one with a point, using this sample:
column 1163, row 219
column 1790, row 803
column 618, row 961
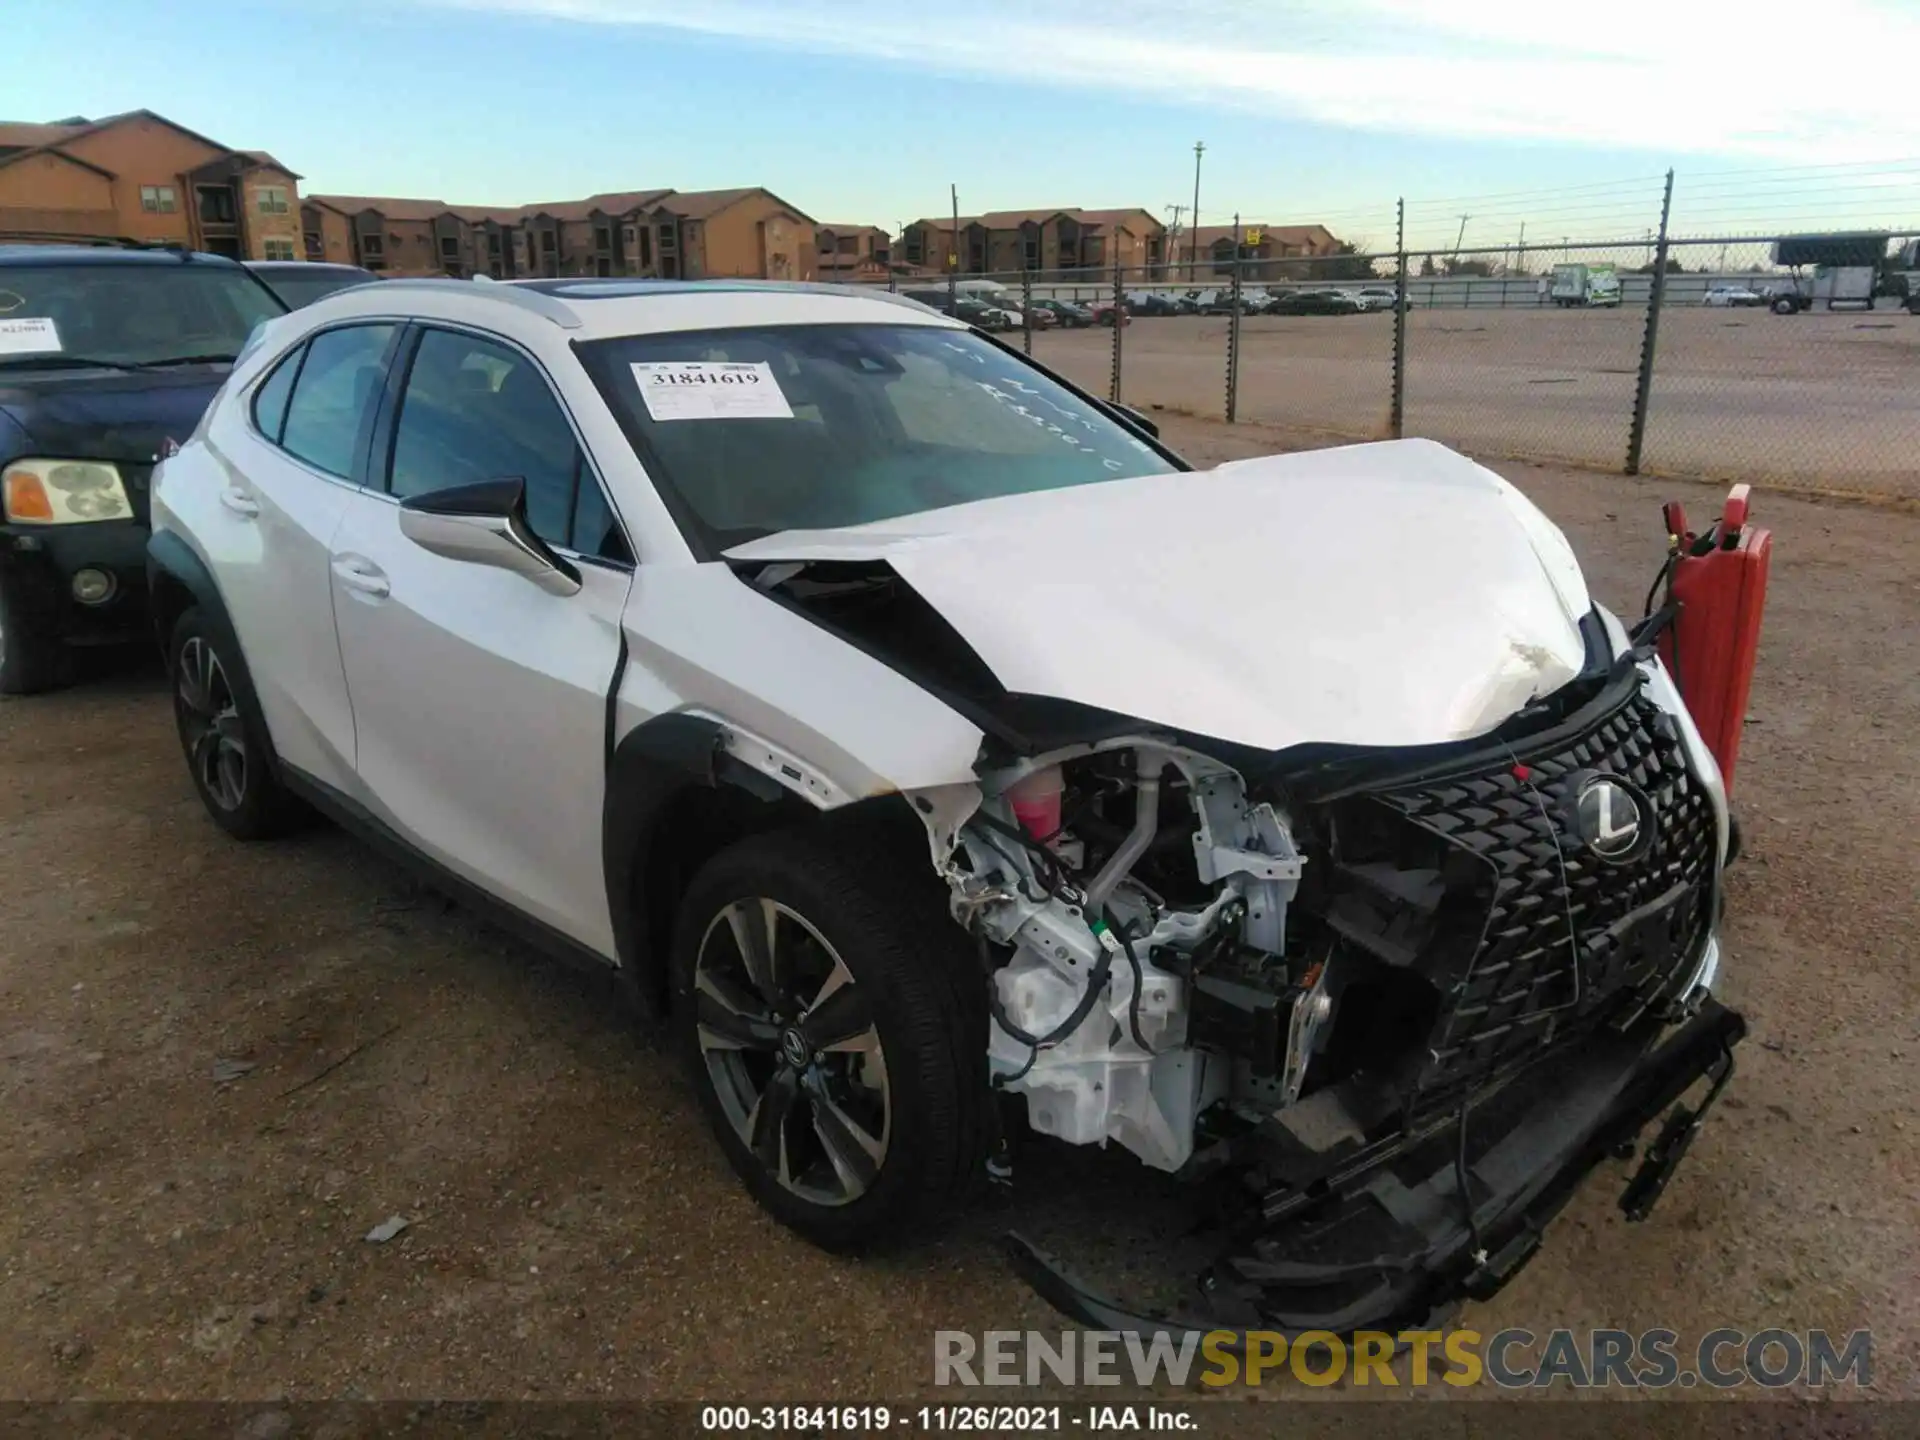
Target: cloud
column 1664, row 76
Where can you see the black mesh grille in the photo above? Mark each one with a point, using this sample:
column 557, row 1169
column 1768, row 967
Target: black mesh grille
column 1520, row 985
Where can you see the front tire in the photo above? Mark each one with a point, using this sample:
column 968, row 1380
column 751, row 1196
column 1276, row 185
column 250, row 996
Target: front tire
column 31, row 660
column 225, row 742
column 836, row 1031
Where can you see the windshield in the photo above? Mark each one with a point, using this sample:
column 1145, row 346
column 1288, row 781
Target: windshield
column 297, row 289
column 128, row 314
column 750, row 432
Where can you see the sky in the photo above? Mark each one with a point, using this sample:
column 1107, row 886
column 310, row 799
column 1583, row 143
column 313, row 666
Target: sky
column 1558, row 118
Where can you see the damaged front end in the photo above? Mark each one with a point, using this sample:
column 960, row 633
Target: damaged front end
column 1389, row 1006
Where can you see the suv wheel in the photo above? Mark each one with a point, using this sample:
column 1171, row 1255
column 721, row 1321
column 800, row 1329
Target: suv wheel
column 30, row 660
column 835, row 1031
column 225, row 744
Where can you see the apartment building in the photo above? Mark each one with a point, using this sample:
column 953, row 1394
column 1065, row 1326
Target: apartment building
column 141, row 176
column 666, row 234
column 852, row 252
column 1272, row 252
column 1047, row 242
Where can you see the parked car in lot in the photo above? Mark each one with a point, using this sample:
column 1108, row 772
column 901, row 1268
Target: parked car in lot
column 1065, row 313
column 107, row 356
column 967, row 308
column 1153, row 302
column 1105, row 312
column 1315, row 302
column 769, row 583
column 1376, row 297
column 301, row 282
column 986, row 316
column 1732, row 296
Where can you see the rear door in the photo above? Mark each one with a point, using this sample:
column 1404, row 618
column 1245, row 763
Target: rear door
column 479, row 699
column 290, row 459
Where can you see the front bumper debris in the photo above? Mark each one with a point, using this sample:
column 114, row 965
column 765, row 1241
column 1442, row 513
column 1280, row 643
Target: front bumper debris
column 1378, row 1237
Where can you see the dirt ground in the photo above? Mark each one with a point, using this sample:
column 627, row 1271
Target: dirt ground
column 221, row 1065
column 1829, row 400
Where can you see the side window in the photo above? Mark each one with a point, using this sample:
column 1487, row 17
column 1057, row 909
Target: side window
column 336, row 391
column 270, row 400
column 595, row 531
column 475, row 410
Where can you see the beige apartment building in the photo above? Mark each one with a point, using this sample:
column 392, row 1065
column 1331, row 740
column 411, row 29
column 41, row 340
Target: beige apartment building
column 1272, row 252
column 666, row 234
column 140, row 176
column 847, row 252
column 1049, row 243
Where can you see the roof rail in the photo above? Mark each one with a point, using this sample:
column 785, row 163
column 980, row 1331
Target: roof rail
column 545, row 306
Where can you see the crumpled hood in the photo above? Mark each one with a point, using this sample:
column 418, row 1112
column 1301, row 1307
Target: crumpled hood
column 106, row 415
column 1387, row 594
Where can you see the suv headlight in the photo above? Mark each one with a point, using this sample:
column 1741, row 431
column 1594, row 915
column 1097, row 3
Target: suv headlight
column 64, row 492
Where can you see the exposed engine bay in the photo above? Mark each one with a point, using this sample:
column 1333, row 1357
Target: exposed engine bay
column 1139, row 903
column 1175, row 958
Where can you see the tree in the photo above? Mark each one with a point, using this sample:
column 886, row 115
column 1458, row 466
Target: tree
column 1456, row 266
column 1346, row 263
column 1426, row 265
column 1674, row 267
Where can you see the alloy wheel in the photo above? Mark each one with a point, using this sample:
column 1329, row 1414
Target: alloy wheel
column 791, row 1048
column 210, row 725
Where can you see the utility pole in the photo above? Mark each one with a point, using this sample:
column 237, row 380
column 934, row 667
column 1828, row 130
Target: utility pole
column 1172, row 266
column 1520, row 247
column 1193, row 235
column 1461, row 236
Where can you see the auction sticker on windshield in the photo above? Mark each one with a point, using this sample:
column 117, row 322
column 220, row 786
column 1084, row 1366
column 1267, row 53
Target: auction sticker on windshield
column 711, row 390
column 35, row 335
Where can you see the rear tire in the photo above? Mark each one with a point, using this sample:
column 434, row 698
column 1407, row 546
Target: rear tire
column 31, row 660
column 223, row 738
column 1784, row 307
column 835, row 1027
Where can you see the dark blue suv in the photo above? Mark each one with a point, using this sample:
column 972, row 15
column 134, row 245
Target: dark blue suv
column 107, row 354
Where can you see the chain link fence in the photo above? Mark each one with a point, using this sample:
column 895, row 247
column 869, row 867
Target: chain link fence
column 1728, row 358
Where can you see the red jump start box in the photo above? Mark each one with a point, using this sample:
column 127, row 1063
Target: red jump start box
column 1718, row 587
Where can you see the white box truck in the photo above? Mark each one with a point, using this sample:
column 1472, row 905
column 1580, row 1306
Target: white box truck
column 1591, row 285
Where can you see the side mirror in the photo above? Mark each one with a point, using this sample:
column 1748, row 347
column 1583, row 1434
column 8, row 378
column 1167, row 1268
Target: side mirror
column 1138, row 419
column 486, row 524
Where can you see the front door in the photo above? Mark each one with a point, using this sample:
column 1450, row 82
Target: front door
column 479, row 699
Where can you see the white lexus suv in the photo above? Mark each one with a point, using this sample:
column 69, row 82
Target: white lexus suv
column 948, row 763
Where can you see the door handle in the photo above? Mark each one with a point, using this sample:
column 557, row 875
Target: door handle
column 239, row 502
column 362, row 575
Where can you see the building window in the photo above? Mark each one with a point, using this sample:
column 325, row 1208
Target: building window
column 278, row 249
column 602, row 237
column 160, row 199
column 846, row 244
column 669, row 237
column 315, row 249
column 629, row 236
column 450, row 246
column 916, row 247
column 372, row 245
column 272, row 199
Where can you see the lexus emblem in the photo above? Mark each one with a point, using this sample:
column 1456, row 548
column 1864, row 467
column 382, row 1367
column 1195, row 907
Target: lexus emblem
column 1611, row 818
